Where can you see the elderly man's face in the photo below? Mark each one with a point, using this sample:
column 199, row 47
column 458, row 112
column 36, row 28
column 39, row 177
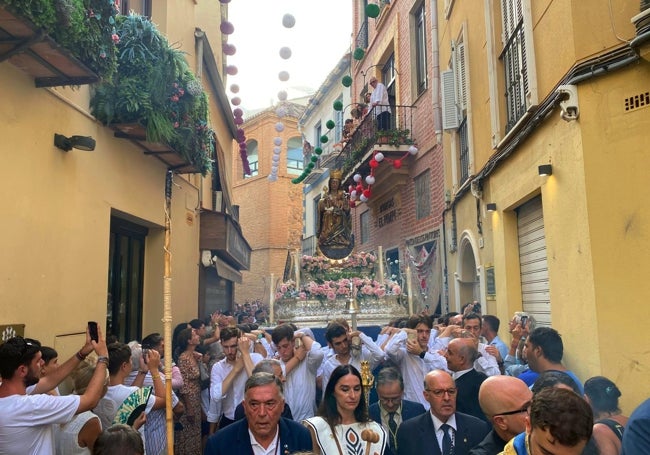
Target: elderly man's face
column 263, row 406
column 440, row 392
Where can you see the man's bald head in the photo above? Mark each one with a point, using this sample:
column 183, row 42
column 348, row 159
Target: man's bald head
column 504, row 400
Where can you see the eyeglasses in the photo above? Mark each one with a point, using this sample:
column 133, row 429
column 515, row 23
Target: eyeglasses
column 440, row 392
column 517, row 411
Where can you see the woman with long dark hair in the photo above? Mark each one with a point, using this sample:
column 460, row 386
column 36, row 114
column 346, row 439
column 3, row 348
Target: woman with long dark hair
column 609, row 423
column 343, row 417
column 188, row 440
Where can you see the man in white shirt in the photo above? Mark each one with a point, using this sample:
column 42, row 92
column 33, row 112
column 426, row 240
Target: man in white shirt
column 409, row 350
column 26, row 420
column 300, row 365
column 228, row 377
column 379, row 104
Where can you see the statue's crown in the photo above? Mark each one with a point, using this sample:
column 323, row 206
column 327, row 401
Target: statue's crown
column 336, row 174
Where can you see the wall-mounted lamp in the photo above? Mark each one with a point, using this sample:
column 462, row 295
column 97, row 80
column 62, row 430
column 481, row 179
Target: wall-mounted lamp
column 545, row 170
column 85, row 143
column 491, row 207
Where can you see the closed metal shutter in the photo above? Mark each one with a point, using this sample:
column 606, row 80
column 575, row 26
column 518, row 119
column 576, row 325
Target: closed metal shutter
column 532, row 261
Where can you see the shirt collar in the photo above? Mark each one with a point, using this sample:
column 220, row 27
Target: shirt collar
column 437, row 423
column 384, row 412
column 458, row 374
column 273, row 444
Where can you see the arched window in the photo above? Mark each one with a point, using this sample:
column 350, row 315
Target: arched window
column 253, row 158
column 295, row 160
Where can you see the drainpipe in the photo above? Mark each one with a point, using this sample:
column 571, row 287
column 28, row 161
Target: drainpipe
column 435, row 77
column 199, row 36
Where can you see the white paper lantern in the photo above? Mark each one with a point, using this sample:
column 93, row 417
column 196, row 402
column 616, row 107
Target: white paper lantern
column 276, row 150
column 234, row 88
column 275, row 158
column 353, row 194
column 281, row 111
column 285, row 52
column 272, row 178
column 279, row 127
column 288, row 20
column 277, row 141
column 282, row 95
column 362, row 198
column 370, row 180
column 413, row 150
column 231, row 70
column 357, row 178
column 236, row 101
column 274, row 169
column 283, row 76
column 379, row 157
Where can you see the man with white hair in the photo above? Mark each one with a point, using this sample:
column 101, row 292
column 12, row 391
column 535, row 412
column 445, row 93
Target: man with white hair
column 379, row 104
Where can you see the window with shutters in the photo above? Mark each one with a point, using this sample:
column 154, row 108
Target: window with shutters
column 517, row 58
column 455, row 102
column 295, row 162
column 420, row 49
column 364, row 224
column 422, row 195
column 253, row 158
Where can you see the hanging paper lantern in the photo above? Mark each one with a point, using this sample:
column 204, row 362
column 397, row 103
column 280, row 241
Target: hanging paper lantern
column 237, row 112
column 362, row 198
column 285, row 52
column 272, row 178
column 413, row 150
column 295, row 181
column 353, row 194
column 282, row 95
column 397, row 164
column 313, row 159
column 275, row 158
column 229, row 49
column 238, row 121
column 379, row 157
column 370, row 180
column 275, row 169
column 373, row 163
column 324, row 139
column 240, row 134
column 236, row 101
column 338, row 105
column 353, row 204
column 231, row 70
column 350, row 189
column 234, row 88
column 227, row 28
column 283, row 76
column 288, row 20
column 357, row 178
column 277, row 150
column 318, row 150
column 330, row 124
column 367, row 193
column 310, row 166
column 277, row 141
column 372, row 10
column 279, row 127
column 358, row 53
column 346, row 81
column 281, row 111
column 359, row 188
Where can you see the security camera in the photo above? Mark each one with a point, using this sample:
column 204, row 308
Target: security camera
column 569, row 110
column 206, row 258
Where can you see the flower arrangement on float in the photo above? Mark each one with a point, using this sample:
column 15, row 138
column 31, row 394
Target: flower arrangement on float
column 366, row 289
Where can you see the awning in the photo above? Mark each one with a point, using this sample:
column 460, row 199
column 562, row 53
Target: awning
column 227, row 272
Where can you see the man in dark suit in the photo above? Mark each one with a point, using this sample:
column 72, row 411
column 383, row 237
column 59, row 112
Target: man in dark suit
column 442, row 431
column 461, row 354
column 392, row 410
column 263, row 405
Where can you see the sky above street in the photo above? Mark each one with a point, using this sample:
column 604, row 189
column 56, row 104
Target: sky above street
column 320, row 37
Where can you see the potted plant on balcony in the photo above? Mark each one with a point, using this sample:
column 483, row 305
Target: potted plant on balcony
column 394, row 137
column 85, row 29
column 155, row 89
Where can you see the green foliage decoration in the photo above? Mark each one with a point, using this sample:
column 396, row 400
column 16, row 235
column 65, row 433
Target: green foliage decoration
column 155, row 88
column 86, row 28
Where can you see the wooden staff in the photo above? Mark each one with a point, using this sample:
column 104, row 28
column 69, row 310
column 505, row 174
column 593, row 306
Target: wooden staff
column 167, row 313
column 370, row 437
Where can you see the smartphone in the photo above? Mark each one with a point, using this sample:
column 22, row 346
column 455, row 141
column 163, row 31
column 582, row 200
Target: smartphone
column 92, row 329
column 412, row 336
column 524, row 320
column 145, row 355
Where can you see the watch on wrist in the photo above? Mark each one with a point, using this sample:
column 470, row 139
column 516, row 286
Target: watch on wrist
column 422, row 354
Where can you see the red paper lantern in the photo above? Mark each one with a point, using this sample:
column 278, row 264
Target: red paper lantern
column 367, row 193
column 353, row 204
column 373, row 163
column 359, row 189
column 397, row 164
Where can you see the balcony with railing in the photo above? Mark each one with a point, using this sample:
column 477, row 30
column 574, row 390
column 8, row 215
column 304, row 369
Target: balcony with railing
column 464, row 152
column 516, row 75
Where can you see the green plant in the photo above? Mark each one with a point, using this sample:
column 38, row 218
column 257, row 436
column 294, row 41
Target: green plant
column 155, row 88
column 395, row 137
column 83, row 27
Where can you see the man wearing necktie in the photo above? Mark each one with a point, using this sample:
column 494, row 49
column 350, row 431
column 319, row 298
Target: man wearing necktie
column 442, row 431
column 391, row 409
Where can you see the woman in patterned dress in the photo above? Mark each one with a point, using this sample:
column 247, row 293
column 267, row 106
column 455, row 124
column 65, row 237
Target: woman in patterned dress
column 343, row 417
column 187, row 440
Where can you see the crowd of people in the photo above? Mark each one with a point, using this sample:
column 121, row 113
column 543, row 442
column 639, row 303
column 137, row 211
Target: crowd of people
column 444, row 385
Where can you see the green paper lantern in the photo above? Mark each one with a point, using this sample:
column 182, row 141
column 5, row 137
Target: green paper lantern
column 314, row 158
column 358, row 53
column 338, row 105
column 330, row 124
column 318, row 150
column 372, row 10
column 324, row 139
column 346, row 81
column 310, row 166
column 295, row 181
